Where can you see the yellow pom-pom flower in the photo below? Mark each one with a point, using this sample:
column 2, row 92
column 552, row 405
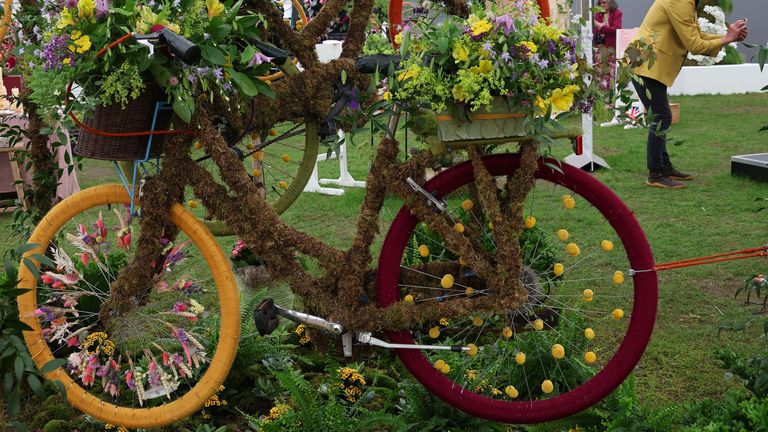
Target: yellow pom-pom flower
column 473, row 350
column 511, row 392
column 530, row 222
column 547, row 386
column 618, row 277
column 558, row 351
column 447, row 281
column 568, row 202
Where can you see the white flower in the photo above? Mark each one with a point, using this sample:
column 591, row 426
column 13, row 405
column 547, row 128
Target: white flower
column 716, row 28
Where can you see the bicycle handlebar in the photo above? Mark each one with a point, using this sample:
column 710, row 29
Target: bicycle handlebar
column 184, row 49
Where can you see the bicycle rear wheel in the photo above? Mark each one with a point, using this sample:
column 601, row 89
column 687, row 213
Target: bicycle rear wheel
column 281, row 166
column 156, row 363
column 583, row 326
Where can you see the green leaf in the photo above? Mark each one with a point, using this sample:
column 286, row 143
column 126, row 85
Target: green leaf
column 18, row 325
column 761, row 57
column 18, row 426
column 220, row 31
column 14, row 402
column 247, row 54
column 21, row 250
column 18, row 367
column 183, row 109
column 52, row 365
column 43, row 260
column 246, row 85
column 213, row 55
column 31, row 267
column 35, row 385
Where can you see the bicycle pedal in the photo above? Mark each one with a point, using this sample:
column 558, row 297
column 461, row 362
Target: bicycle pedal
column 265, row 317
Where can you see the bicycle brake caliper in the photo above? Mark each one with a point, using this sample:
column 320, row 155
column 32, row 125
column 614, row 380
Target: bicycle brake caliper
column 439, row 204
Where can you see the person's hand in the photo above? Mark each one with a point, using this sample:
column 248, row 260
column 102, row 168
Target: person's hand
column 599, row 24
column 737, row 32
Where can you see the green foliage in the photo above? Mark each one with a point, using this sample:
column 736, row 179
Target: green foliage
column 122, row 85
column 752, row 370
column 17, row 369
column 426, row 413
column 732, row 56
column 378, row 43
column 67, row 40
column 207, row 428
column 313, row 409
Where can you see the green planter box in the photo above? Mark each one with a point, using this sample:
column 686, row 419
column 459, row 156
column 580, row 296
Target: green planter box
column 499, row 122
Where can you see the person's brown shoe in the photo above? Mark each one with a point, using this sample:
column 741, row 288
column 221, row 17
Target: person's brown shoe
column 675, row 174
column 662, row 181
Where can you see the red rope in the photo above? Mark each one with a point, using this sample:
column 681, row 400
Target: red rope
column 117, row 134
column 728, row 256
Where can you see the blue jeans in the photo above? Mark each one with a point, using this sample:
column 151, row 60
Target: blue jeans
column 653, row 95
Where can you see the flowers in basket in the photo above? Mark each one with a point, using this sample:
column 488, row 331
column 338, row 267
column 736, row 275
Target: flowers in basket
column 73, row 41
column 511, row 58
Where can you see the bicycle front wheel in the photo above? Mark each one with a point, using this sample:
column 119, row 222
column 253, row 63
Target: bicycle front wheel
column 159, row 360
column 578, row 333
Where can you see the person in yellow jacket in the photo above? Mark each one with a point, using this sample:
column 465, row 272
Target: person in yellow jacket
column 671, row 27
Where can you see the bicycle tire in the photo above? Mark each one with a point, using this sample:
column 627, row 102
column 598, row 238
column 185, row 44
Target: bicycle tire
column 229, row 330
column 296, row 186
column 627, row 354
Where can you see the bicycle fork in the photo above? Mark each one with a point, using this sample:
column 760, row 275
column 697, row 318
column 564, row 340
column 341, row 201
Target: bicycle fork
column 267, row 313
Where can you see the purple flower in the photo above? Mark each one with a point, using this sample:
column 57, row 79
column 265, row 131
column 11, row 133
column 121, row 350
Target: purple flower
column 218, row 73
column 151, row 3
column 102, row 8
column 488, row 48
column 70, row 3
column 206, row 36
column 505, row 22
column 258, row 59
column 551, row 47
column 203, row 70
column 192, row 78
column 176, row 3
column 543, row 63
column 54, row 53
column 227, row 86
column 505, row 56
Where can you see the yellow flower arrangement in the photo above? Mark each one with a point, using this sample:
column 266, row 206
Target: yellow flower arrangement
column 467, row 63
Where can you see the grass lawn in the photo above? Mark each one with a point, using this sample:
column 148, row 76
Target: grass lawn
column 717, row 213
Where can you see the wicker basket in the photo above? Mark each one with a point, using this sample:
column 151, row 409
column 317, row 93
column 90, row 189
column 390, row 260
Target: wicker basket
column 499, row 122
column 136, row 117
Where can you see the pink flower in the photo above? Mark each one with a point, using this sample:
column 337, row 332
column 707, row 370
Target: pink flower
column 258, row 59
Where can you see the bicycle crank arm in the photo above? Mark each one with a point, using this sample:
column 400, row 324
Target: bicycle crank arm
column 440, row 205
column 310, row 320
column 367, row 338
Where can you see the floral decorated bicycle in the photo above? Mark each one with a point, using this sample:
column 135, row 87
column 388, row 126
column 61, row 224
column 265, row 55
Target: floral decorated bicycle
column 512, row 286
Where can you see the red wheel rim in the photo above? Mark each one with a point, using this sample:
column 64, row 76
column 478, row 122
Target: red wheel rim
column 590, row 392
